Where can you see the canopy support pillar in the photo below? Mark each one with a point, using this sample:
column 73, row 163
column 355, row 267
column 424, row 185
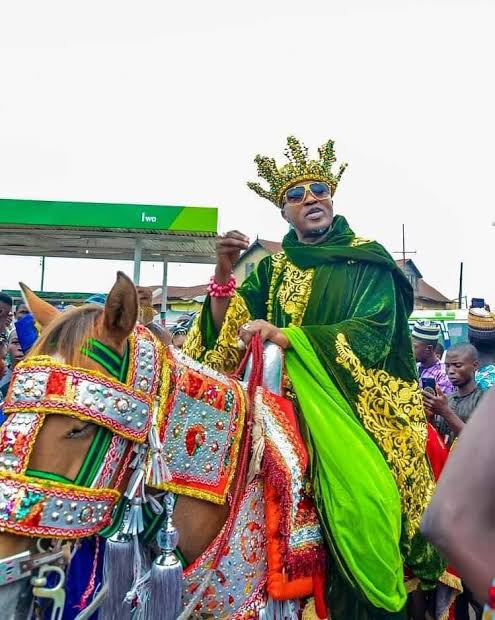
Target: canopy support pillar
column 163, row 309
column 138, row 247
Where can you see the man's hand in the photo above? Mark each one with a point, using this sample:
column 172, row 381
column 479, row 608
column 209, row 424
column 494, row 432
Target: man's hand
column 266, row 330
column 437, row 403
column 229, row 248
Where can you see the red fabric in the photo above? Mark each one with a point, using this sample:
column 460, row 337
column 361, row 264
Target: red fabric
column 438, row 454
column 436, row 450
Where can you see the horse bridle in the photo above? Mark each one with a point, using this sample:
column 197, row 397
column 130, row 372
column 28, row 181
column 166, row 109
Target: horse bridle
column 37, row 504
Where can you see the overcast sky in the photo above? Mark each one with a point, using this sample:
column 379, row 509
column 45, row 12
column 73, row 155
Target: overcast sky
column 167, row 102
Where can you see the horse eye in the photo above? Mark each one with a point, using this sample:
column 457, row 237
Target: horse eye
column 78, row 432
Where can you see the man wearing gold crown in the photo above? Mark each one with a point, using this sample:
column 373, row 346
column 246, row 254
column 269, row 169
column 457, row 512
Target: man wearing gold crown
column 338, row 304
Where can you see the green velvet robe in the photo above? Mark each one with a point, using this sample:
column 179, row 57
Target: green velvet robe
column 344, row 305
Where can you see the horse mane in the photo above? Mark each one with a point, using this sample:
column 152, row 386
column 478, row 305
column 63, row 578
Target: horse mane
column 66, row 334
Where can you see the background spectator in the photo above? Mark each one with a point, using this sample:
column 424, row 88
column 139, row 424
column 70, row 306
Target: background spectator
column 179, row 334
column 20, row 311
column 425, row 335
column 452, row 411
column 5, row 313
column 481, row 334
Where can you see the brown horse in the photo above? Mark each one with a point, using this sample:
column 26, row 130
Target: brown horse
column 63, row 443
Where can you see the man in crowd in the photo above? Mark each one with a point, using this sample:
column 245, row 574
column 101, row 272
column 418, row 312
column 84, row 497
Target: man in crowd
column 21, row 311
column 338, row 304
column 3, row 356
column 14, row 356
column 5, row 313
column 179, row 335
column 481, row 333
column 453, row 410
column 425, row 335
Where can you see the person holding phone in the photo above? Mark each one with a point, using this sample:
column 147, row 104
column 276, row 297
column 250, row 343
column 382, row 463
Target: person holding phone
column 452, row 411
column 425, row 336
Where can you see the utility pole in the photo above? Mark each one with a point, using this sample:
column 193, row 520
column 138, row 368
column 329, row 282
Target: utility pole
column 404, row 251
column 461, row 273
column 42, row 273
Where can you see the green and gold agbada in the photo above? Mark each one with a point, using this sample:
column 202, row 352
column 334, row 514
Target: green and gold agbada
column 343, row 303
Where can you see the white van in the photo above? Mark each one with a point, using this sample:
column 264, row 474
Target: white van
column 453, row 324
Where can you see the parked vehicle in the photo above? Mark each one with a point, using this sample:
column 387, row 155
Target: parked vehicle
column 453, row 324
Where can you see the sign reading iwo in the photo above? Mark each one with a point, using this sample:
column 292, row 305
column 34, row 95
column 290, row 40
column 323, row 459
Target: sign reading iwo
column 107, row 215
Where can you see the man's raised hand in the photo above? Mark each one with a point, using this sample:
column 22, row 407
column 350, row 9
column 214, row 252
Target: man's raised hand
column 229, row 247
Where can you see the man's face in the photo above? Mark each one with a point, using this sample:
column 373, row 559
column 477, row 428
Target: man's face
column 312, row 218
column 461, row 367
column 178, row 340
column 422, row 351
column 21, row 311
column 15, row 350
column 5, row 316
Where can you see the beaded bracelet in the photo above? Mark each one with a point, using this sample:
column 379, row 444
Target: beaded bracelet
column 216, row 289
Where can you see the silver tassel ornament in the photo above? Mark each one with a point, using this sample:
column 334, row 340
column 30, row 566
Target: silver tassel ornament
column 166, row 572
column 118, row 575
column 279, row 610
column 157, row 472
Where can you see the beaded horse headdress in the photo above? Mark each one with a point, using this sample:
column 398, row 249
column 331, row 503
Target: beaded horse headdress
column 300, row 168
column 33, row 504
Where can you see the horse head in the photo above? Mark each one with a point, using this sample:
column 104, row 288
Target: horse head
column 66, row 406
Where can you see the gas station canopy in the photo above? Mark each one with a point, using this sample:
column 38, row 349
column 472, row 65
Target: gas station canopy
column 107, row 231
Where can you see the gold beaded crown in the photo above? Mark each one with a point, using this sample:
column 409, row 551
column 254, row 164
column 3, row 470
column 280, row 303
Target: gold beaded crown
column 299, row 169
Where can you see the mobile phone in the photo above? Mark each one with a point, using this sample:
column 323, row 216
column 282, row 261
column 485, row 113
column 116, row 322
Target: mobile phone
column 429, row 385
column 477, row 302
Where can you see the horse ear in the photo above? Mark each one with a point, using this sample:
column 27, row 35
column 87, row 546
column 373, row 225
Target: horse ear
column 121, row 310
column 43, row 312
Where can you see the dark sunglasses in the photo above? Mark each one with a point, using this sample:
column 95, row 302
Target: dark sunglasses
column 297, row 194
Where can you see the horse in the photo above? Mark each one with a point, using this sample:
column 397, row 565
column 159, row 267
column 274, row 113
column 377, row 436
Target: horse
column 104, row 422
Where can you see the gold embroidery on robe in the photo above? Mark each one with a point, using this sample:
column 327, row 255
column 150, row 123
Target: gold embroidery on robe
column 293, row 294
column 391, row 409
column 225, row 355
column 193, row 344
column 357, row 241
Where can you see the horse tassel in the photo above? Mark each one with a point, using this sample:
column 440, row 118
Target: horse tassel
column 279, row 610
column 158, row 473
column 166, row 572
column 118, row 575
column 134, row 524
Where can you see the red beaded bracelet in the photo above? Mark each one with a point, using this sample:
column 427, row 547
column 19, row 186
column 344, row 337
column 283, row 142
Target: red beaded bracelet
column 222, row 290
